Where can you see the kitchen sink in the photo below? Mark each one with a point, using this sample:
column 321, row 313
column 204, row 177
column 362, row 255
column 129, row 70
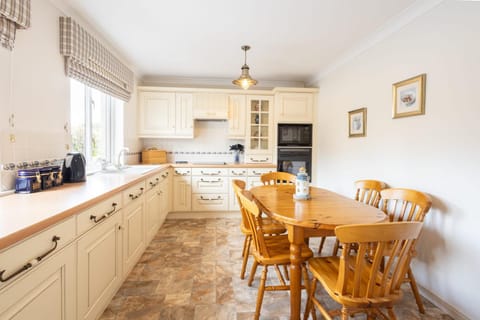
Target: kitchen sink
column 130, row 169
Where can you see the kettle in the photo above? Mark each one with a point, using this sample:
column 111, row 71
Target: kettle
column 74, row 168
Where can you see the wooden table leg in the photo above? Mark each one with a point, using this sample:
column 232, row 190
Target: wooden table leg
column 296, row 238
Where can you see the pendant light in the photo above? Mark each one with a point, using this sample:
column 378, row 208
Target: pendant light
column 245, row 81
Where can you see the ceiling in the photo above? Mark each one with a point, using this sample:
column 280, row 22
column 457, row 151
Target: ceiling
column 291, row 40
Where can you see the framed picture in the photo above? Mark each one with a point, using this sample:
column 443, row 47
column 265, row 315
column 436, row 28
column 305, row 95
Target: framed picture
column 409, row 97
column 357, row 122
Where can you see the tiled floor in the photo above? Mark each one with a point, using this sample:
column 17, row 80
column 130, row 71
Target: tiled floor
column 191, row 271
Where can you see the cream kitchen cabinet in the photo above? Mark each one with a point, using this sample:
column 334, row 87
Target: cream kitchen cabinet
column 99, row 258
column 293, row 107
column 133, row 225
column 165, row 114
column 165, row 196
column 254, row 174
column 237, row 113
column 209, row 105
column 259, row 141
column 210, row 189
column 182, row 189
column 38, row 276
column 152, row 207
column 235, row 174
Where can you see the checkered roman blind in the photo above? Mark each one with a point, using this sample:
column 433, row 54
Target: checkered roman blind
column 14, row 14
column 88, row 61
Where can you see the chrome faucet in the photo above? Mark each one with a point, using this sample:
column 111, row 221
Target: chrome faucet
column 121, row 158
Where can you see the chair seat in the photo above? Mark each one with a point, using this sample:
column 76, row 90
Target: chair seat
column 279, row 251
column 326, row 270
column 270, row 226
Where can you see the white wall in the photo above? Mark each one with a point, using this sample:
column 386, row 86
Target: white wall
column 437, row 153
column 34, row 88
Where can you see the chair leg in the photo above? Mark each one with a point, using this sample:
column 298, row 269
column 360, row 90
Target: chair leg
column 285, row 270
column 391, row 314
column 261, row 291
column 413, row 285
column 309, row 307
column 336, row 247
column 322, row 242
column 252, row 273
column 246, row 253
column 345, row 314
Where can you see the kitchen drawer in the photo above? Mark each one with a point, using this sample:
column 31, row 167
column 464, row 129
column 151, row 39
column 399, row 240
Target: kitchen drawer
column 134, row 193
column 209, row 171
column 182, row 171
column 238, row 172
column 94, row 215
column 209, row 184
column 257, row 172
column 258, row 158
column 42, row 245
column 209, row 202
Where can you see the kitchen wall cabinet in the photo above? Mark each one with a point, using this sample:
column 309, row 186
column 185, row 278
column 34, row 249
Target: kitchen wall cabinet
column 259, row 140
column 208, row 105
column 99, row 256
column 133, row 226
column 48, row 291
column 293, row 107
column 165, row 114
column 182, row 189
column 237, row 113
column 210, row 189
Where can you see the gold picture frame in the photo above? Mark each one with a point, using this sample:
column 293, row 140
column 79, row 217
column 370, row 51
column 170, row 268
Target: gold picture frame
column 357, row 123
column 409, row 97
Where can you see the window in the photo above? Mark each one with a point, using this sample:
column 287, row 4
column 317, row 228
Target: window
column 96, row 124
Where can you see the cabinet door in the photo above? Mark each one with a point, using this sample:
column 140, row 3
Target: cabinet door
column 156, row 114
column 164, row 200
column 47, row 292
column 210, row 106
column 182, row 193
column 184, row 116
column 99, row 267
column 260, row 122
column 152, row 212
column 237, row 112
column 134, row 234
column 232, row 198
column 294, row 107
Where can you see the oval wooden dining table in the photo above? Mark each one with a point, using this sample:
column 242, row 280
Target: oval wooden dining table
column 317, row 216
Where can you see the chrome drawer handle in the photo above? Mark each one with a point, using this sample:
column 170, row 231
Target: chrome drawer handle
column 211, row 181
column 31, row 263
column 210, row 173
column 259, row 160
column 211, row 199
column 238, row 174
column 133, row 197
column 105, row 215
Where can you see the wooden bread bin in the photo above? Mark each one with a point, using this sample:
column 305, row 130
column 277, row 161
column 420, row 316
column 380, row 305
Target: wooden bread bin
column 153, row 156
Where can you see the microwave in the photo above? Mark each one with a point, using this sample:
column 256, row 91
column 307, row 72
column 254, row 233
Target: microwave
column 294, row 135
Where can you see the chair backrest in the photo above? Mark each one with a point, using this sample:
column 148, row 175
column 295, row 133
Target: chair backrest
column 405, row 204
column 253, row 214
column 238, row 187
column 278, row 177
column 376, row 268
column 368, row 191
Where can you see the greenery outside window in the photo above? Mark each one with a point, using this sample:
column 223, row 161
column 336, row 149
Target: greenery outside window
column 96, row 124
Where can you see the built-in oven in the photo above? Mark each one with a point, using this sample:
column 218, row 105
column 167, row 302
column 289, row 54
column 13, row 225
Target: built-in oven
column 292, row 159
column 294, row 135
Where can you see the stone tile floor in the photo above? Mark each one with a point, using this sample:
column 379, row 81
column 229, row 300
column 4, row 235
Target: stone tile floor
column 190, row 271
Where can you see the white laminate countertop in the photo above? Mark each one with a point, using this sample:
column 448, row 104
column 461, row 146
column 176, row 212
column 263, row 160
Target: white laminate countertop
column 22, row 215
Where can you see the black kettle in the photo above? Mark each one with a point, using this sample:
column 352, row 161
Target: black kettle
column 74, row 167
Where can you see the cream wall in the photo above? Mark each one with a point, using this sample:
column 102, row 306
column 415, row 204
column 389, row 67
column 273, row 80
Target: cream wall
column 437, row 153
column 34, row 88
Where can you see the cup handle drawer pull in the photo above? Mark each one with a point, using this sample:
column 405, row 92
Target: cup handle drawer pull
column 105, row 215
column 133, row 197
column 31, row 263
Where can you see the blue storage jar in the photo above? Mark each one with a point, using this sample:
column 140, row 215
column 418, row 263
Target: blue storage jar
column 28, row 181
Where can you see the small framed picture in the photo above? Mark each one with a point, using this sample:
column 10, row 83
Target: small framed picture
column 409, row 97
column 357, row 122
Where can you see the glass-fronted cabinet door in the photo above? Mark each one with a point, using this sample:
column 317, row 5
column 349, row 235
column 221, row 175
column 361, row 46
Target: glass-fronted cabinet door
column 260, row 119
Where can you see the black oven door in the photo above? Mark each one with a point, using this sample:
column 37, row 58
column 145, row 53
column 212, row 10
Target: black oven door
column 292, row 159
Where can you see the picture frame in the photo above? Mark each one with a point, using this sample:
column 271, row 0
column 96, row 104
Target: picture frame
column 409, row 97
column 357, row 123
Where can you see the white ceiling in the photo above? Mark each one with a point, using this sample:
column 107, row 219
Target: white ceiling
column 291, row 40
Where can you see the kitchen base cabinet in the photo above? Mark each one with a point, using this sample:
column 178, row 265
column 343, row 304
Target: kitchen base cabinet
column 99, row 254
column 182, row 189
column 46, row 292
column 152, row 208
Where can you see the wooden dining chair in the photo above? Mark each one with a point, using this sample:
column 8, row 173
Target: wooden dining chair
column 270, row 226
column 277, row 177
column 366, row 191
column 406, row 205
column 269, row 251
column 360, row 280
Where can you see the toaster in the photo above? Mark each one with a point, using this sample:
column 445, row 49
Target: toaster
column 74, row 168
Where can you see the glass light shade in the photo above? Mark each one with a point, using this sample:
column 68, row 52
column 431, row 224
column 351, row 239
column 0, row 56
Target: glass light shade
column 245, row 81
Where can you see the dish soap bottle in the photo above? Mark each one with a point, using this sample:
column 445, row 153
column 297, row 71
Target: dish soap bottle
column 302, row 185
